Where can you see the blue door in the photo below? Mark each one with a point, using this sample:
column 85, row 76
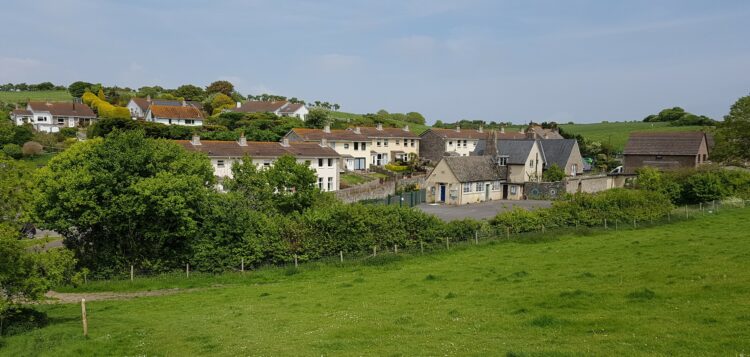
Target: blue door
column 442, row 193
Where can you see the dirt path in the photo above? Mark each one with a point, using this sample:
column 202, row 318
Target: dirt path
column 72, row 298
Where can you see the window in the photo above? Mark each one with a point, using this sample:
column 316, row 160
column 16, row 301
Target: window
column 398, row 141
column 359, row 163
column 320, row 162
column 406, row 142
column 704, row 157
column 364, row 146
column 474, row 143
column 467, row 187
column 513, row 189
column 330, row 184
column 189, row 122
column 320, row 183
column 60, row 121
column 450, row 143
column 385, row 142
column 266, row 163
column 346, row 146
column 379, row 143
column 502, row 161
column 480, row 186
column 531, row 163
column 41, row 119
column 496, row 185
column 330, row 162
column 356, row 146
column 332, row 144
column 220, row 163
column 465, row 144
column 412, row 142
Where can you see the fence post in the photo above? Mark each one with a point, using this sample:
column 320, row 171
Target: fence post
column 395, row 249
column 447, row 243
column 84, row 319
column 421, row 246
column 295, row 261
column 605, row 224
column 187, row 269
column 341, row 255
column 242, row 264
column 476, row 237
column 131, row 272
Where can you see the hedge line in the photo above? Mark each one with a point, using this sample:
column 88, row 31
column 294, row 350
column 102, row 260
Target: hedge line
column 103, row 108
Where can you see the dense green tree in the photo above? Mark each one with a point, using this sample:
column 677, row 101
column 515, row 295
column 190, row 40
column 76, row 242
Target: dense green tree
column 77, row 89
column 414, row 117
column 224, row 87
column 285, row 187
column 679, row 117
column 317, row 118
column 553, row 174
column 45, row 86
column 15, row 184
column 217, row 102
column 733, row 134
column 123, row 200
column 190, row 92
column 19, row 276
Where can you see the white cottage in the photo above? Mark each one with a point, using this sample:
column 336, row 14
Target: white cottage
column 281, row 108
column 175, row 115
column 52, row 116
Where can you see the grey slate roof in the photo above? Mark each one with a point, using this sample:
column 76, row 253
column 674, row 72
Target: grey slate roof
column 664, row 143
column 517, row 151
column 476, row 168
column 557, row 151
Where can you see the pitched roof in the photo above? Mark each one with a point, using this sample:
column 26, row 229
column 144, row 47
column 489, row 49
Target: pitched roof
column 333, row 134
column 258, row 149
column 517, row 151
column 173, row 112
column 145, row 103
column 63, row 109
column 476, row 168
column 462, row 134
column 557, row 151
column 549, row 133
column 373, row 132
column 142, row 103
column 257, row 106
column 20, row 112
column 291, row 108
column 664, row 143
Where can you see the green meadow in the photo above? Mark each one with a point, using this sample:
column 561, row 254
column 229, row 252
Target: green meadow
column 675, row 289
column 617, row 133
column 23, row 97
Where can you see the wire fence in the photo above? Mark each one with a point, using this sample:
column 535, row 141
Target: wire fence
column 486, row 234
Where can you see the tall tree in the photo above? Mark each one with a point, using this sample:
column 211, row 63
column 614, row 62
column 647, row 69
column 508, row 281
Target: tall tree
column 224, row 87
column 317, row 118
column 190, row 92
column 77, row 89
column 733, row 134
column 125, row 199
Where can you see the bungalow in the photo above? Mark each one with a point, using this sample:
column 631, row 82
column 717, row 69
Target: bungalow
column 139, row 106
column 52, row 116
column 223, row 154
column 175, row 115
column 281, row 108
column 362, row 147
column 665, row 150
column 437, row 142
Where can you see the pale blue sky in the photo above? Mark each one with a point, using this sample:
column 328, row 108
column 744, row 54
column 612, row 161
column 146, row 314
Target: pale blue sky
column 584, row 61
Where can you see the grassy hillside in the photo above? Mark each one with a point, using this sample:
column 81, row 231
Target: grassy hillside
column 347, row 117
column 16, row 97
column 617, row 133
column 679, row 289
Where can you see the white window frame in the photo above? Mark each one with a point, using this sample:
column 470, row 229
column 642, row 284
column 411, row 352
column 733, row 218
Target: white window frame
column 467, row 187
column 513, row 189
column 346, row 145
column 220, row 164
column 480, row 186
column 496, row 185
column 330, row 184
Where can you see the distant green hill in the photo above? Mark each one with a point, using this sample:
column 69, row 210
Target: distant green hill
column 358, row 119
column 617, row 133
column 22, row 97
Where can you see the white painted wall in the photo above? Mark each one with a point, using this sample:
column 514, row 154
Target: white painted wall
column 463, row 147
column 135, row 110
column 223, row 168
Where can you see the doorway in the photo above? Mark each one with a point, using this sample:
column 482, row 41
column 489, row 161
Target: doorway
column 505, row 192
column 442, row 193
column 487, row 192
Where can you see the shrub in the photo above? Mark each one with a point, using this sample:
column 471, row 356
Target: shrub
column 68, row 132
column 553, row 174
column 12, row 150
column 396, row 168
column 32, row 148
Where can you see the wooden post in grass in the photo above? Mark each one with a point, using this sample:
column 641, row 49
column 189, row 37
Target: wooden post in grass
column 476, row 237
column 84, row 320
column 341, row 255
column 242, row 264
column 187, row 269
column 686, row 212
column 131, row 272
column 507, row 233
column 447, row 243
column 295, row 261
column 374, row 250
column 605, row 224
column 421, row 246
column 395, row 249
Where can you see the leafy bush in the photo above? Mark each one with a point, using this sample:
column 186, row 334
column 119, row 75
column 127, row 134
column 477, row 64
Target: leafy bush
column 32, row 148
column 553, row 174
column 396, row 168
column 692, row 186
column 12, row 150
column 69, row 132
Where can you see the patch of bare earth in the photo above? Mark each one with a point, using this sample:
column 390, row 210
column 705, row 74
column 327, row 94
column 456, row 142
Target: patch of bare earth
column 55, row 297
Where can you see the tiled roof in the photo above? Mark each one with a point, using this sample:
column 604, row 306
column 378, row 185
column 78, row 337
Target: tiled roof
column 549, row 133
column 173, row 112
column 373, row 132
column 145, row 103
column 256, row 106
column 517, row 151
column 142, row 103
column 557, row 151
column 334, row 134
column 259, row 149
column 476, row 168
column 20, row 112
column 462, row 134
column 291, row 108
column 664, row 143
column 69, row 109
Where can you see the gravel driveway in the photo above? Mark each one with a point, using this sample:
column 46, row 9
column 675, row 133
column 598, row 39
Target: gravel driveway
column 479, row 210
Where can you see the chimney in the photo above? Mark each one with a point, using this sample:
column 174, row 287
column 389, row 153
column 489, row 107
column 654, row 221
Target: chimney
column 521, row 131
column 324, row 142
column 285, row 142
column 327, row 128
column 379, row 126
column 502, row 130
column 458, row 128
column 196, row 140
column 148, row 98
column 243, row 140
column 239, row 105
column 546, row 136
column 405, row 128
column 481, row 130
column 184, row 103
column 356, row 130
column 491, row 149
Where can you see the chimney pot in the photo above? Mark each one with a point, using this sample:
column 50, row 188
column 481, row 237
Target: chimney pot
column 239, row 105
column 379, row 126
column 243, row 140
column 481, row 129
column 324, row 142
column 196, row 140
column 458, row 128
column 285, row 142
column 502, row 130
column 356, row 130
column 148, row 98
column 327, row 129
column 406, row 128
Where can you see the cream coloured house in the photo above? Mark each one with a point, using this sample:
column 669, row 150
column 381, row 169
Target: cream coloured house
column 362, row 147
column 318, row 156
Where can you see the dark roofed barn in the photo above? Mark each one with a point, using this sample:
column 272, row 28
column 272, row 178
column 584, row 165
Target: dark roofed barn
column 665, row 150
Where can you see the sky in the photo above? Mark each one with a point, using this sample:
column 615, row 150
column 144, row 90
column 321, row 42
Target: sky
column 518, row 61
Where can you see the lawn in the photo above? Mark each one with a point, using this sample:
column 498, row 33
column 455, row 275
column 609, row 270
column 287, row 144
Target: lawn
column 18, row 97
column 352, row 179
column 680, row 289
column 617, row 133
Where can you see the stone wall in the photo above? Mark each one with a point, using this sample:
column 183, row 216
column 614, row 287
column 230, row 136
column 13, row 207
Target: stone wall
column 543, row 190
column 591, row 184
column 431, row 147
column 370, row 190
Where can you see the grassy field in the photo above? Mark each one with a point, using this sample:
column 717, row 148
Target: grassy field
column 680, row 289
column 617, row 133
column 17, row 97
column 344, row 116
column 353, row 179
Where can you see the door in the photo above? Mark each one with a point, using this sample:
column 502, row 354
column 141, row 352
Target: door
column 505, row 192
column 442, row 193
column 487, row 192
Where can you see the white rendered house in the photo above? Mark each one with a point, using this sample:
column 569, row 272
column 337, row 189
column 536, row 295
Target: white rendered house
column 50, row 117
